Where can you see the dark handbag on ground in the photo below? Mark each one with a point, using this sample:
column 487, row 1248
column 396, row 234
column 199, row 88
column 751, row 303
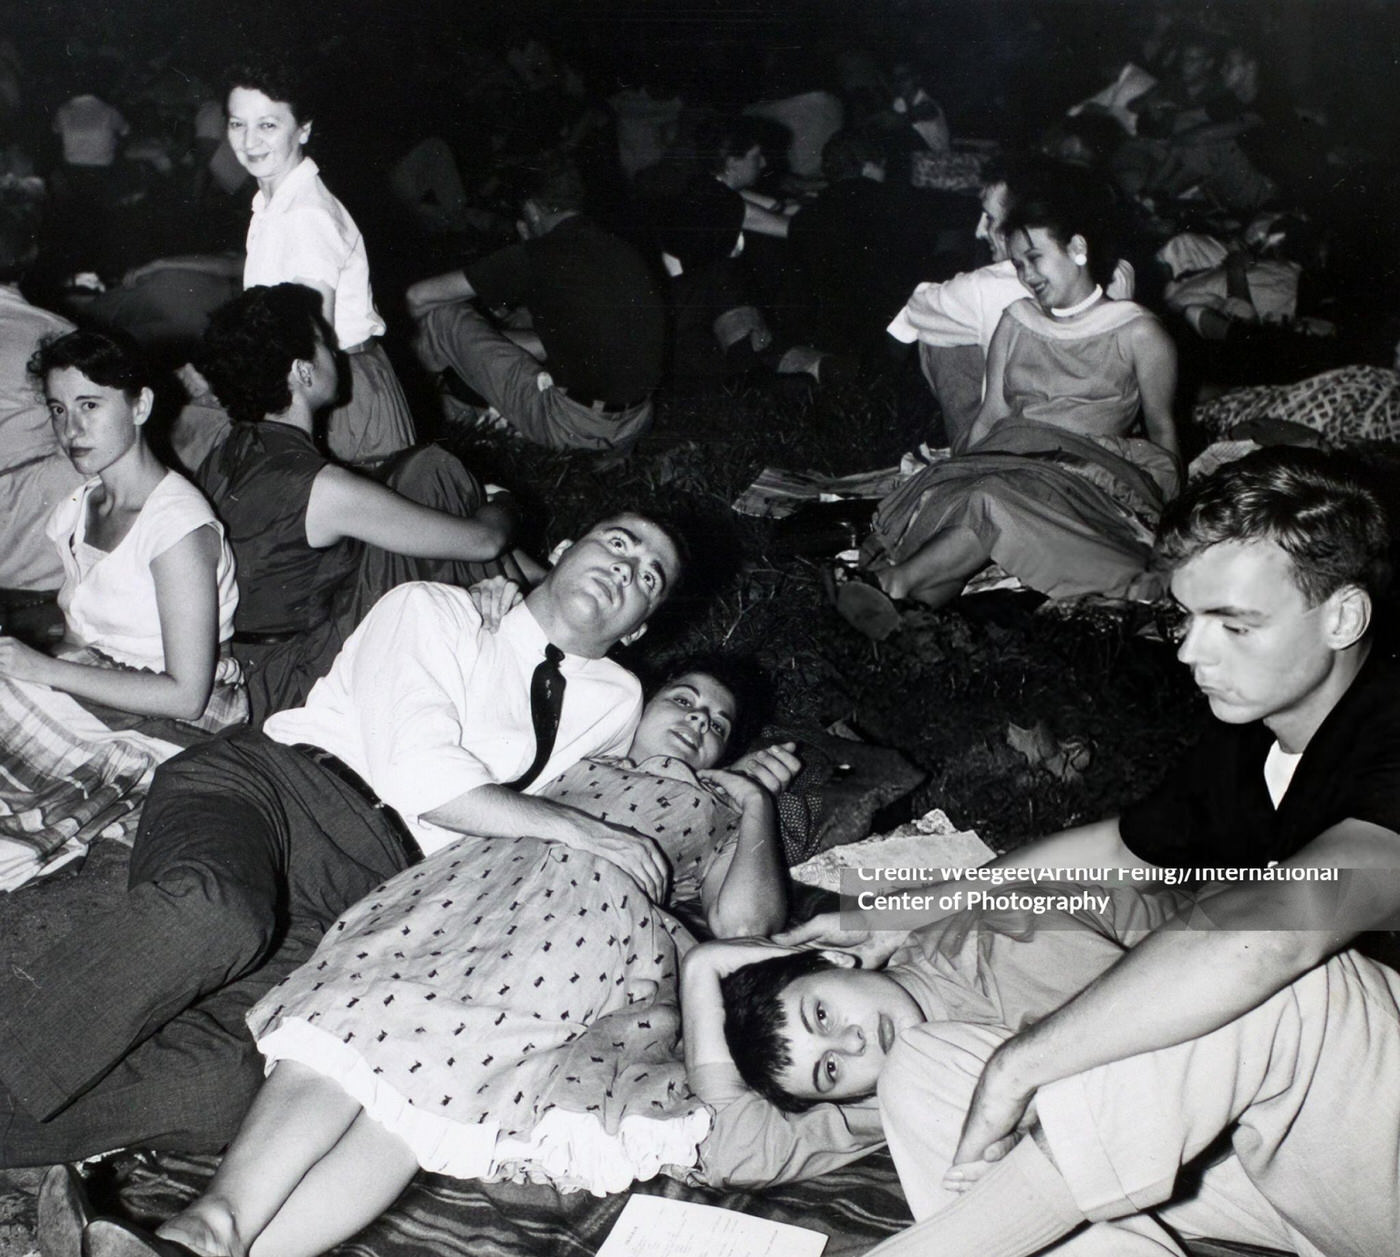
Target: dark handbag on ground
column 824, row 529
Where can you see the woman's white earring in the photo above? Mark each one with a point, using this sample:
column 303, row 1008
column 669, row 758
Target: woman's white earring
column 1080, row 259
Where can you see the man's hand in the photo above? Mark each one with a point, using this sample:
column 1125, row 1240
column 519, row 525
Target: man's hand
column 636, row 855
column 871, row 947
column 994, row 1119
column 492, row 598
column 773, row 767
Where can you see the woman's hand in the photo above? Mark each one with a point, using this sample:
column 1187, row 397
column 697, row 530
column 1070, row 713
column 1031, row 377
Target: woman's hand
column 773, row 767
column 492, row 598
column 22, row 662
column 742, row 791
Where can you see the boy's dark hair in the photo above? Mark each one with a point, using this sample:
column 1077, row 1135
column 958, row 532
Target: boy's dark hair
column 743, row 678
column 252, row 341
column 554, row 183
column 719, row 139
column 754, row 1021
column 1066, row 201
column 1314, row 506
column 277, row 78
column 111, row 359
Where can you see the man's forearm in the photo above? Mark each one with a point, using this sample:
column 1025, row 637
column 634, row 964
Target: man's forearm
column 493, row 811
column 1188, row 978
column 1098, row 845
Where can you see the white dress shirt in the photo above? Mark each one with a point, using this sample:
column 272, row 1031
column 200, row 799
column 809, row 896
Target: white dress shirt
column 425, row 704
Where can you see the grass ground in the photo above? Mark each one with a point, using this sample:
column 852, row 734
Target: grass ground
column 946, row 688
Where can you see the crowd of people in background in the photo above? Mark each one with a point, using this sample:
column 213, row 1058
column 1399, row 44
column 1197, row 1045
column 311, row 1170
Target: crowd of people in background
column 245, row 283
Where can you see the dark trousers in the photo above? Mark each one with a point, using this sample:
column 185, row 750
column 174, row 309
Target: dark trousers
column 130, row 1030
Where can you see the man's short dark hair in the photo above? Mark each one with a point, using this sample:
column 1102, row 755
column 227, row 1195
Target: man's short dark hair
column 719, row 139
column 250, row 345
column 754, row 1022
column 1315, row 506
column 554, row 183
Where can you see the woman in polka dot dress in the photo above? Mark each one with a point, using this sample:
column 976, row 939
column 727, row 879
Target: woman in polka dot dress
column 506, row 1009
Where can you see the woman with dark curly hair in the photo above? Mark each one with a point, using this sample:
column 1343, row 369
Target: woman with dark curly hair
column 524, row 1017
column 148, row 602
column 300, row 233
column 317, row 544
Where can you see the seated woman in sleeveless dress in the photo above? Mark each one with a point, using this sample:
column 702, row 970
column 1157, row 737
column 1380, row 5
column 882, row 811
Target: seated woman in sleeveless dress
column 317, row 544
column 148, row 601
column 1053, row 485
column 505, row 1009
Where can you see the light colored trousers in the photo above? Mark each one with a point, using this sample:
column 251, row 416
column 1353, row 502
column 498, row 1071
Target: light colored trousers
column 1307, row 1084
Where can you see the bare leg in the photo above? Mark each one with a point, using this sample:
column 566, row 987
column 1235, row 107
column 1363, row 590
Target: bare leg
column 299, row 1116
column 341, row 1194
column 936, row 573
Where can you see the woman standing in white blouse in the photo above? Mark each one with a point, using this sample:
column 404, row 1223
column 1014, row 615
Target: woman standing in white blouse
column 301, row 234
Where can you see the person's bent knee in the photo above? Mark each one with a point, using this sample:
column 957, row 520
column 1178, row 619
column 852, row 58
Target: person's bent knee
column 211, row 913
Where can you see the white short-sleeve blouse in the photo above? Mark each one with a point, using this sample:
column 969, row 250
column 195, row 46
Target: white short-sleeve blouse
column 108, row 598
column 304, row 233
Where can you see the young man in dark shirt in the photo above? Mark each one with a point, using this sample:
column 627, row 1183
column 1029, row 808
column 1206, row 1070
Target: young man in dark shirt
column 584, row 379
column 1248, row 1017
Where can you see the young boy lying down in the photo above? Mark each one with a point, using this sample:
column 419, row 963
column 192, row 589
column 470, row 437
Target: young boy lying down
column 786, row 1045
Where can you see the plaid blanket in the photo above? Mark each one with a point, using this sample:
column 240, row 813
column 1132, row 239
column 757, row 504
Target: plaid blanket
column 73, row 771
column 65, row 779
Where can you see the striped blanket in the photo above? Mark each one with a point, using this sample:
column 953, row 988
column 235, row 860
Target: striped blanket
column 856, row 1206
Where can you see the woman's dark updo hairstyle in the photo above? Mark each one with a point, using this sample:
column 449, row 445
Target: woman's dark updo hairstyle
column 251, row 342
column 111, row 359
column 742, row 678
column 278, row 79
column 1069, row 201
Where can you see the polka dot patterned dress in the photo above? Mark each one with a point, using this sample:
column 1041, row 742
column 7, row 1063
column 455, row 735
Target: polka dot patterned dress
column 509, row 1007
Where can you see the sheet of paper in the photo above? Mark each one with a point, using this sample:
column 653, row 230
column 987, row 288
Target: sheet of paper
column 650, row 1226
column 928, row 844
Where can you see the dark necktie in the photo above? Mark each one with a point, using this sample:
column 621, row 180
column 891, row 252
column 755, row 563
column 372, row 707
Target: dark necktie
column 546, row 702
